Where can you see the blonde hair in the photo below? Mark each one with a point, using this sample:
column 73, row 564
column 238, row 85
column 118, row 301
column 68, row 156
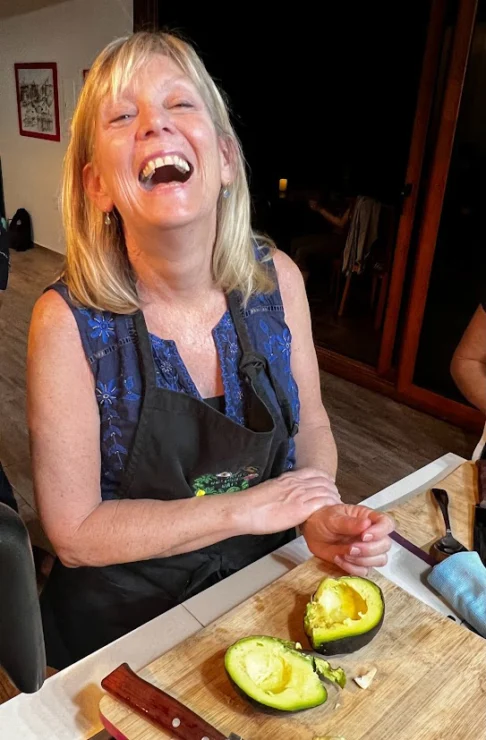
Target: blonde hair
column 97, row 271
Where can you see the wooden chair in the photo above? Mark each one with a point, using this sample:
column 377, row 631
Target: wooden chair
column 478, row 450
column 380, row 259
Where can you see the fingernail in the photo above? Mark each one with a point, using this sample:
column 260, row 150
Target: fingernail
column 367, row 537
column 354, row 551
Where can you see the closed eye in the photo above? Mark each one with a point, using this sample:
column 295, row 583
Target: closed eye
column 122, row 117
column 182, row 104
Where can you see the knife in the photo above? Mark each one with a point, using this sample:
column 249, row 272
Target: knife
column 403, row 542
column 160, row 708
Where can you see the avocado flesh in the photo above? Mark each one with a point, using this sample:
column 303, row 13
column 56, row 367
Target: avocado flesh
column 336, row 675
column 344, row 614
column 275, row 675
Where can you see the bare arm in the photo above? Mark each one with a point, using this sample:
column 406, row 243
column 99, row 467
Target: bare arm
column 339, row 221
column 468, row 366
column 64, row 429
column 315, row 445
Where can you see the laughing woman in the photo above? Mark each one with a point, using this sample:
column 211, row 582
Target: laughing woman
column 176, row 421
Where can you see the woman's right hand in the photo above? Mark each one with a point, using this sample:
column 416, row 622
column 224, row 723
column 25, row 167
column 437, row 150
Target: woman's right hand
column 287, row 501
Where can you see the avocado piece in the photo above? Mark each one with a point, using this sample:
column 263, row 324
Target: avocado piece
column 336, row 675
column 344, row 614
column 274, row 674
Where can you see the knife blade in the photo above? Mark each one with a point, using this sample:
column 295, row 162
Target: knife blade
column 158, row 707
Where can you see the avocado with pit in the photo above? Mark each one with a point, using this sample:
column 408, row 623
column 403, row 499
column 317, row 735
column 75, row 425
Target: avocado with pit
column 344, row 615
column 275, row 675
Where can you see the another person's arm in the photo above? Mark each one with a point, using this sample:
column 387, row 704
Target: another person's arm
column 468, row 366
column 339, row 221
column 64, row 428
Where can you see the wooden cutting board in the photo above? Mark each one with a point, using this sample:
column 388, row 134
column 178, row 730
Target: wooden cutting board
column 420, row 519
column 429, row 670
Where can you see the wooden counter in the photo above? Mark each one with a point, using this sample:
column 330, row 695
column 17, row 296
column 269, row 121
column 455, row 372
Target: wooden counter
column 420, row 519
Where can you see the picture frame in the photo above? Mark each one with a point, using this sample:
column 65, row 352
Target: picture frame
column 38, row 100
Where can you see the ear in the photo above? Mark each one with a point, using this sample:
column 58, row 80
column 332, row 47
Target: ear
column 228, row 159
column 95, row 189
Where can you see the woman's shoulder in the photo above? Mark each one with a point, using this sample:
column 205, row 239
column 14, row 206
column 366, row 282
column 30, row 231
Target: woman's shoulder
column 290, row 281
column 283, row 269
column 52, row 311
column 287, row 271
column 98, row 330
column 53, row 335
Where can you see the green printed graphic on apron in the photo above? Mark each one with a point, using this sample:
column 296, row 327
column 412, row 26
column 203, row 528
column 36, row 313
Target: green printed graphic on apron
column 225, row 482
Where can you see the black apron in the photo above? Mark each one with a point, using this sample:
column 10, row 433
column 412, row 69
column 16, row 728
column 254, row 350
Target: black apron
column 183, row 447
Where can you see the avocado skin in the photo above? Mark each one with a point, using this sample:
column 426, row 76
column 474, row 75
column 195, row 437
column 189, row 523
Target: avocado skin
column 346, row 645
column 349, row 643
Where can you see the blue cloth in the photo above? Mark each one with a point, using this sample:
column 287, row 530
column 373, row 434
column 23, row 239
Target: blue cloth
column 461, row 581
column 109, row 343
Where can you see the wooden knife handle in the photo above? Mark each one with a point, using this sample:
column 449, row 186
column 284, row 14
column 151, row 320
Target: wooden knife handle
column 155, row 705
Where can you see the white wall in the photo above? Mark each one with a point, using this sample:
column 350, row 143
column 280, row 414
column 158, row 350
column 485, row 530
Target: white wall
column 70, row 34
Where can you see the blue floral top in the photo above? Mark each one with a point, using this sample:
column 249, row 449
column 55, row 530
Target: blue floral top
column 109, row 343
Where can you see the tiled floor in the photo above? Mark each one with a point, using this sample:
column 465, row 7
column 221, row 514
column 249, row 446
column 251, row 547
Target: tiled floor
column 379, row 441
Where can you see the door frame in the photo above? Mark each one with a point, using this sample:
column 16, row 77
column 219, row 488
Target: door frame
column 425, row 98
column 430, row 222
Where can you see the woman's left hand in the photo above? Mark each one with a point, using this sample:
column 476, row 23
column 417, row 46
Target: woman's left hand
column 353, row 537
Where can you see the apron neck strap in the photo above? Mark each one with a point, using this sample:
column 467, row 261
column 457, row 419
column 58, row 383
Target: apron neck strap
column 252, row 363
column 145, row 348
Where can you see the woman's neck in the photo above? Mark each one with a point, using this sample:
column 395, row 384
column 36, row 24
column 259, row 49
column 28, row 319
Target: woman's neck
column 172, row 265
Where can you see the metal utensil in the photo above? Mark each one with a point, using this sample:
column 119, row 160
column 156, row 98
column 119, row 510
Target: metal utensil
column 160, row 708
column 447, row 545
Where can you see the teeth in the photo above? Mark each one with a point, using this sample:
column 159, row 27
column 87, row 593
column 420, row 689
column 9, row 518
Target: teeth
column 172, row 159
column 149, row 169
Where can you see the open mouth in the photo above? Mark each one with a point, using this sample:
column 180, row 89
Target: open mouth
column 164, row 170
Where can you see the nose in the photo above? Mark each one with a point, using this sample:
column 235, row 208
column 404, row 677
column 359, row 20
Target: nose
column 153, row 121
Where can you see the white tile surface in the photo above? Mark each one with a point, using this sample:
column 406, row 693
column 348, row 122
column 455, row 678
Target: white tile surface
column 66, row 707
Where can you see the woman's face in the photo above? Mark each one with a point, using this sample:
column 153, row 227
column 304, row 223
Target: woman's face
column 157, row 156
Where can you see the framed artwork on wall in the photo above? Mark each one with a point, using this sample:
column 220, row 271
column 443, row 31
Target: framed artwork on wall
column 38, row 100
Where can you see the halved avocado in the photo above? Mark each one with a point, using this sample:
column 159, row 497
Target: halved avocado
column 274, row 674
column 344, row 614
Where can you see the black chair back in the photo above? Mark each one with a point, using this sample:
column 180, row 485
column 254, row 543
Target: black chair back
column 22, row 650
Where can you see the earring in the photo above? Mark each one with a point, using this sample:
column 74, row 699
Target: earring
column 107, row 218
column 226, row 192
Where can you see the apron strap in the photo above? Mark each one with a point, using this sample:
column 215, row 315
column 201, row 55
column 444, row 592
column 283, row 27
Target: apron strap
column 253, row 362
column 145, row 348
